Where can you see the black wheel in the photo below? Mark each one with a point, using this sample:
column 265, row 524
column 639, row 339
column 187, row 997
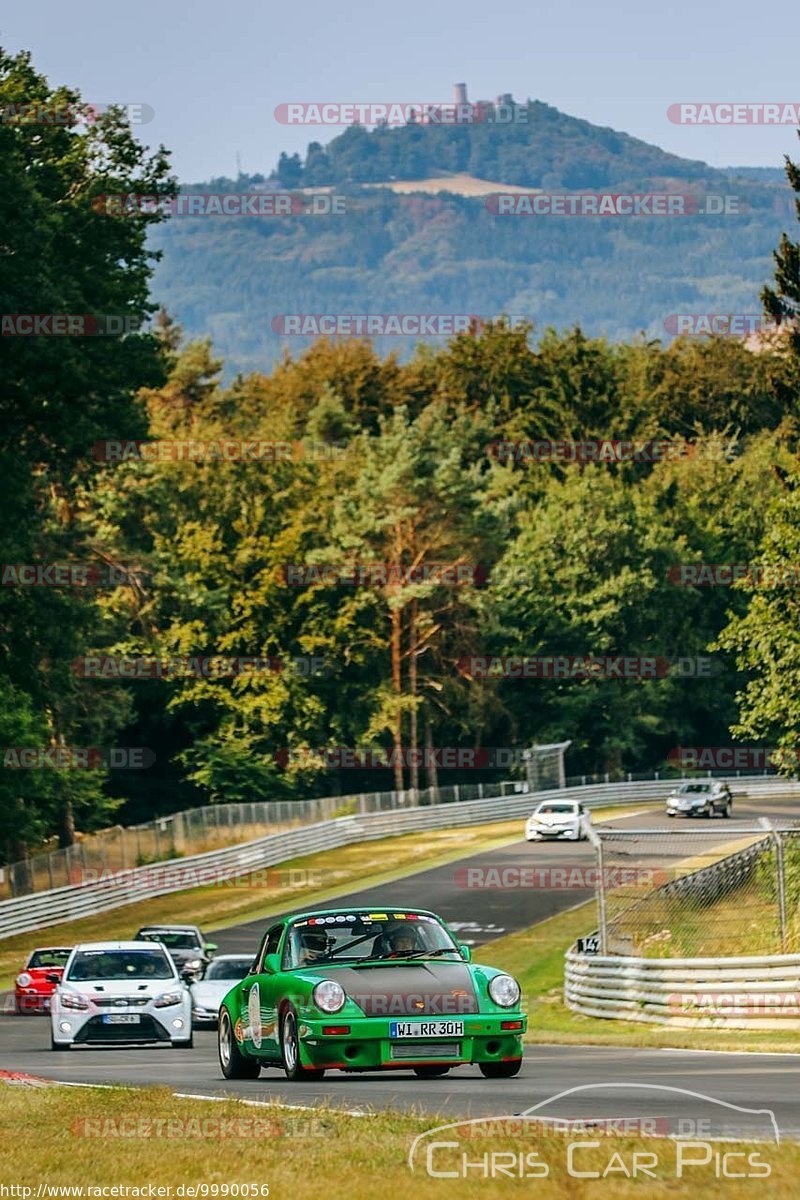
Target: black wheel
column 234, row 1064
column 54, row 1045
column 726, row 812
column 290, row 1052
column 501, row 1070
column 184, row 1045
column 431, row 1072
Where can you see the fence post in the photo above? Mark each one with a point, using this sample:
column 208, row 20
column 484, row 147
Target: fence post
column 775, row 837
column 781, row 888
column 602, row 926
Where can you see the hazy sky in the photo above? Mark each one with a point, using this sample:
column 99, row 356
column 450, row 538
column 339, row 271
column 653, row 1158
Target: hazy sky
column 215, row 71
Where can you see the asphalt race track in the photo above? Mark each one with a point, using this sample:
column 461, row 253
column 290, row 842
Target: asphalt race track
column 743, row 1081
column 482, row 914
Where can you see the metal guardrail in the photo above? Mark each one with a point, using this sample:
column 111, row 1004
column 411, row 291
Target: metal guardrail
column 754, row 992
column 118, row 888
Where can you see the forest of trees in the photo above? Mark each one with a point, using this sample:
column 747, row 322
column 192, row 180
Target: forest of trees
column 389, row 462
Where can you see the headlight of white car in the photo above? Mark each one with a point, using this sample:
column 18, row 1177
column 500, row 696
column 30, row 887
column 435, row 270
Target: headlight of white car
column 167, row 998
column 329, row 996
column 504, row 990
column 73, row 1000
column 193, row 965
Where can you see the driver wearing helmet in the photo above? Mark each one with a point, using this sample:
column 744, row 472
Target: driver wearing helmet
column 400, row 941
column 313, row 946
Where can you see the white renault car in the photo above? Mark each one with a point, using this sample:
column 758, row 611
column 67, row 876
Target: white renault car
column 120, row 993
column 553, row 819
column 209, row 992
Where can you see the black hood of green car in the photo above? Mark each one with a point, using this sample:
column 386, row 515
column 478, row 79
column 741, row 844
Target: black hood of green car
column 408, row 990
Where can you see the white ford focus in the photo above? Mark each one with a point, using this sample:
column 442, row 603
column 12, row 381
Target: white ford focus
column 554, row 819
column 120, row 993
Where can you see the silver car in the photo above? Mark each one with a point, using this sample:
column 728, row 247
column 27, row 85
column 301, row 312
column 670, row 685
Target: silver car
column 209, row 992
column 700, row 798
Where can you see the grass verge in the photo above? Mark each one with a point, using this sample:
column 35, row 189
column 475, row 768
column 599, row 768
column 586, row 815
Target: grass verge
column 65, row 1137
column 535, row 956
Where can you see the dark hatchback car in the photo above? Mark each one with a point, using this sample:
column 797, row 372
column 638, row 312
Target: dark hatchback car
column 186, row 945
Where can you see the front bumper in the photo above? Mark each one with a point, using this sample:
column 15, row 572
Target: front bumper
column 546, row 833
column 154, row 1025
column 203, row 1015
column 368, row 1045
column 27, row 1001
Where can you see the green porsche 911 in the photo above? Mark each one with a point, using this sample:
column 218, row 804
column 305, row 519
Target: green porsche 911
column 353, row 989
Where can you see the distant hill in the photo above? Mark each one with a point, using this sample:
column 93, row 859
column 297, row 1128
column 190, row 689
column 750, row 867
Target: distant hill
column 394, row 250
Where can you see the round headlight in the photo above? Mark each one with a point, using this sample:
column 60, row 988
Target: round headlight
column 504, row 991
column 24, row 980
column 329, row 996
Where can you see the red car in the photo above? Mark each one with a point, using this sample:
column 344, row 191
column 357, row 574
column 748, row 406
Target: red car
column 37, row 981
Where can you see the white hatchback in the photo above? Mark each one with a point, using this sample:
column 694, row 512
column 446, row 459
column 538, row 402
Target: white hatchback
column 554, row 819
column 120, row 993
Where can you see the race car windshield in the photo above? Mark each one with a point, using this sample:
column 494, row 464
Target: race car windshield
column 49, row 958
column 363, row 939
column 233, row 969
column 687, row 789
column 561, row 809
column 120, row 964
column 173, row 941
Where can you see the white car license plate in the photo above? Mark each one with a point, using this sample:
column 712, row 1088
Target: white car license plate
column 422, row 1029
column 121, row 1018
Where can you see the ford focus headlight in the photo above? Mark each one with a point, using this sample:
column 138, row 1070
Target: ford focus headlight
column 167, row 998
column 504, row 990
column 73, row 1000
column 329, row 996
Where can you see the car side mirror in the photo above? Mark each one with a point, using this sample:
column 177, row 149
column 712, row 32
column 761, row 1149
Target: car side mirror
column 211, row 948
column 271, row 964
column 53, row 978
column 465, row 951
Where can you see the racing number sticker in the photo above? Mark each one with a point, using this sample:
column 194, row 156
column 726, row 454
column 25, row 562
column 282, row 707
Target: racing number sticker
column 254, row 1014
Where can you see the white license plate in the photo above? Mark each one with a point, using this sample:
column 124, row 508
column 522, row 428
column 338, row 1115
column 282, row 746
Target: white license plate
column 121, row 1018
column 423, row 1029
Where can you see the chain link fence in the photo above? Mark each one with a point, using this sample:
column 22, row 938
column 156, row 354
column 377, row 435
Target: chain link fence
column 213, row 827
column 711, row 890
